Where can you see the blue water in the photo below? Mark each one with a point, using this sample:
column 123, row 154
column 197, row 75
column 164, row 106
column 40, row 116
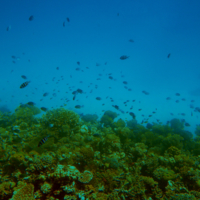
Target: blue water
column 99, row 32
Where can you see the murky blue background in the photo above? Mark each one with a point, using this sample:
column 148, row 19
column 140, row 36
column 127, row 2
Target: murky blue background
column 99, row 33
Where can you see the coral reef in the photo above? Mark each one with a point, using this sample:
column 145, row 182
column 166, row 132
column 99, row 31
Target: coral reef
column 90, row 159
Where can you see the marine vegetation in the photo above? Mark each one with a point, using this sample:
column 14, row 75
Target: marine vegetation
column 62, row 156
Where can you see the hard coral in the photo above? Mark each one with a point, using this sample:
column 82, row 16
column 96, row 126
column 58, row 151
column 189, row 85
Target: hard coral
column 111, row 114
column 164, row 174
column 46, row 188
column 89, row 118
column 106, row 120
column 24, row 193
column 85, row 177
column 172, row 151
column 119, row 123
column 60, row 118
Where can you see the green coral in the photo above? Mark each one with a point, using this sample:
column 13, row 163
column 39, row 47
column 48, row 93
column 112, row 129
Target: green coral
column 64, row 122
column 119, row 123
column 106, row 120
column 164, row 174
column 46, row 188
column 23, row 192
column 104, row 159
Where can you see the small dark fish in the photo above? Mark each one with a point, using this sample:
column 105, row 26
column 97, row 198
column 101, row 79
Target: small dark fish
column 168, row 98
column 30, row 103
column 145, row 92
column 177, row 94
column 177, row 101
column 191, row 106
column 24, row 77
column 187, row 124
column 116, row 107
column 183, row 99
column 63, row 24
column 74, row 97
column 78, row 106
column 125, row 82
column 131, row 40
column 124, row 57
column 74, row 93
column 96, row 135
column 8, row 28
column 45, row 94
column 183, row 114
column 44, row 109
column 78, row 63
column 139, row 109
column 132, row 115
column 68, row 20
column 97, row 64
column 57, row 68
column 23, row 85
column 43, row 141
column 192, row 101
column 197, row 109
column 168, row 56
column 110, row 77
column 98, row 98
column 79, row 91
column 31, row 18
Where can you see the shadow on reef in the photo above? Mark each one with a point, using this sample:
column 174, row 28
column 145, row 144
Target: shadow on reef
column 64, row 156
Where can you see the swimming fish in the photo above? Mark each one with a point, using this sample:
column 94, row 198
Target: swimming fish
column 45, row 94
column 145, row 92
column 23, row 76
column 124, row 57
column 79, row 106
column 44, row 109
column 131, row 40
column 31, row 18
column 74, row 93
column 187, row 124
column 8, row 28
column 23, row 85
column 30, row 103
column 43, row 141
column 132, row 115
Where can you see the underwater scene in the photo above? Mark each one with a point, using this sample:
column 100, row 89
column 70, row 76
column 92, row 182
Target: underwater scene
column 100, row 100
